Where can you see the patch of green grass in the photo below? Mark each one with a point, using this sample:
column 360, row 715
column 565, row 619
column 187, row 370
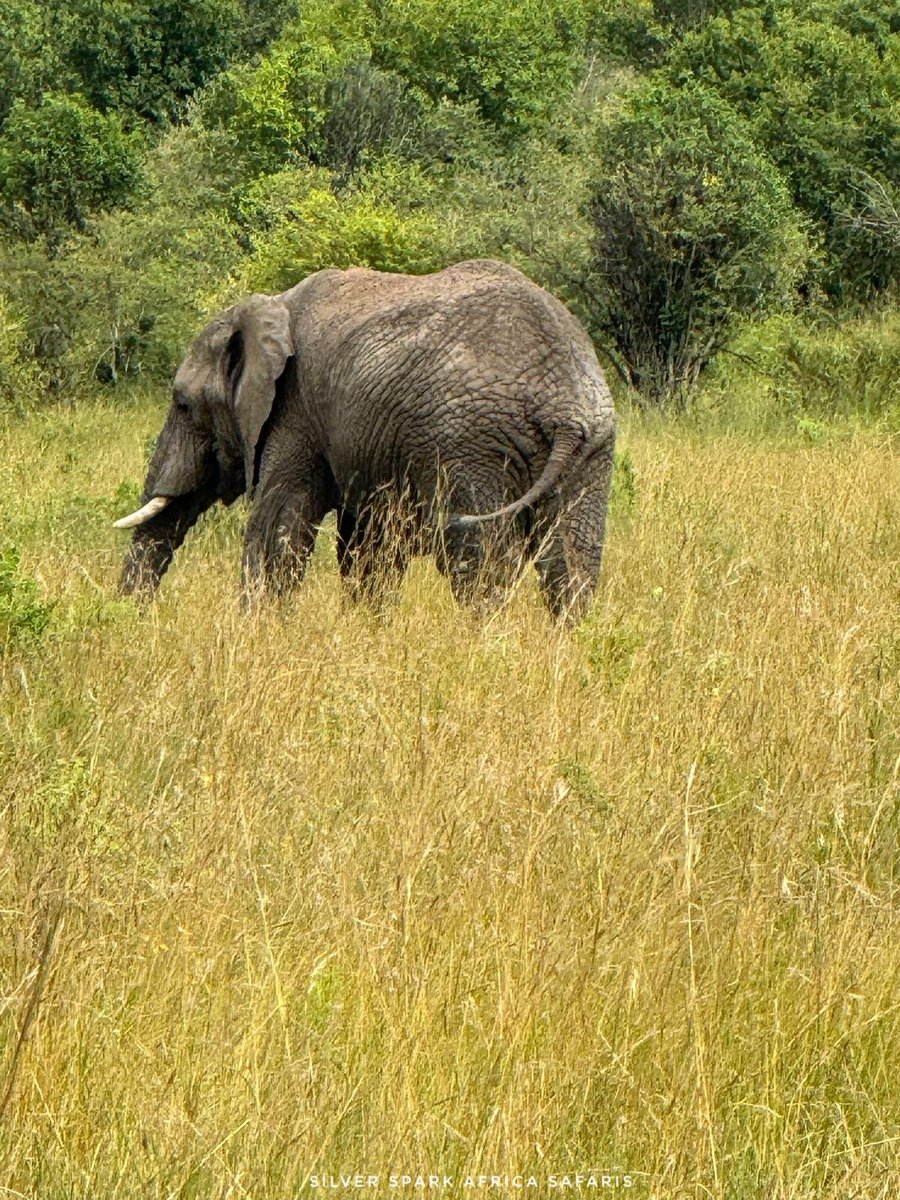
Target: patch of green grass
column 23, row 616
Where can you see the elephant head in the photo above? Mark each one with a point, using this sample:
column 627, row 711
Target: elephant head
column 209, row 446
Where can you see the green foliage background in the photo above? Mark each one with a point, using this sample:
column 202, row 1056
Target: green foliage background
column 673, row 170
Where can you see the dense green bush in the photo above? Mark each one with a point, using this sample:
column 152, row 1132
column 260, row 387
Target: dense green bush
column 23, row 616
column 676, row 16
column 668, row 167
column 349, row 77
column 692, row 226
column 300, row 226
column 625, row 32
column 820, row 96
column 23, row 54
column 143, row 59
column 516, row 62
column 128, row 292
column 822, row 371
column 276, row 110
column 18, row 370
column 875, row 20
column 59, row 163
column 147, row 56
column 148, row 280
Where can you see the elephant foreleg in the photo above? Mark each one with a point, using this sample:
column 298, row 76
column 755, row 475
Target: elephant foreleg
column 279, row 540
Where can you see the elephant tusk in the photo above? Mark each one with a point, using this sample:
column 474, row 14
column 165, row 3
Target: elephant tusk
column 142, row 515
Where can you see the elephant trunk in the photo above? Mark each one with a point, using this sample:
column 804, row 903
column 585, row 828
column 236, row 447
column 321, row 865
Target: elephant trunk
column 145, row 565
column 156, row 538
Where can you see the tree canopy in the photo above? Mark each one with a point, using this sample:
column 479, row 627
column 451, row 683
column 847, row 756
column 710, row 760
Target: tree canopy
column 670, row 167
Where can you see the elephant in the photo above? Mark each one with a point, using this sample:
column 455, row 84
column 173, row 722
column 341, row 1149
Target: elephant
column 469, row 400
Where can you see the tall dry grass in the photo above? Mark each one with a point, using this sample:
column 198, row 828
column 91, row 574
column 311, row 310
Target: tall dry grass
column 326, row 890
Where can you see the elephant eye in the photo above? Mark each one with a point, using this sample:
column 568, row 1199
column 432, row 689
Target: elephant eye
column 182, row 406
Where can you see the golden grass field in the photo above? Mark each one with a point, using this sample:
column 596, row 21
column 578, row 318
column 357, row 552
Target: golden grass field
column 324, row 890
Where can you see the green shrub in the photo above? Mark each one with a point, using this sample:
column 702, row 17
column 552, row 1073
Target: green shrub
column 298, row 225
column 514, row 61
column 142, row 59
column 23, row 617
column 818, row 86
column 275, row 111
column 677, row 16
column 814, row 372
column 349, row 78
column 145, row 281
column 370, row 112
column 18, row 371
column 692, row 227
column 59, row 163
column 24, row 53
column 127, row 294
column 625, row 32
column 34, row 286
column 146, row 57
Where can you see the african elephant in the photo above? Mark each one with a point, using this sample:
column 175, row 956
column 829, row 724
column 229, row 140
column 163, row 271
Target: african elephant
column 471, row 395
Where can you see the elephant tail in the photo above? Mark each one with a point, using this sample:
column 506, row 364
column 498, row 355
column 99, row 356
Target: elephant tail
column 570, row 445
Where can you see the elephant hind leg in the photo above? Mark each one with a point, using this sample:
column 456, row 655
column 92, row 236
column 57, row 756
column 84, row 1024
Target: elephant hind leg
column 482, row 565
column 569, row 555
column 373, row 550
column 567, row 580
column 482, row 561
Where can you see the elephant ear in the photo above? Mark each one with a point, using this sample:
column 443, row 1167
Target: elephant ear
column 257, row 353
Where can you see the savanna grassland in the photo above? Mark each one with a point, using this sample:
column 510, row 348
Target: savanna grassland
column 322, row 889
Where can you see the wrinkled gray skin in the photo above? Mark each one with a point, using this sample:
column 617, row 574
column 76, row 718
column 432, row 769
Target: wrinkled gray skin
column 464, row 392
